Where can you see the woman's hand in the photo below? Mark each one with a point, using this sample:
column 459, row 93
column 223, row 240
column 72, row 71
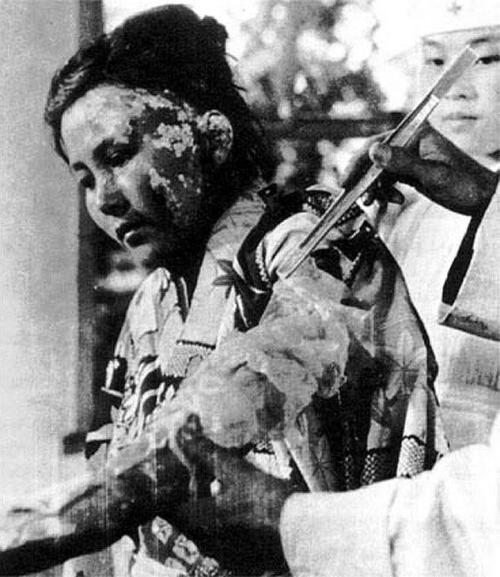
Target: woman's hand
column 232, row 509
column 238, row 520
column 92, row 511
column 70, row 519
column 439, row 170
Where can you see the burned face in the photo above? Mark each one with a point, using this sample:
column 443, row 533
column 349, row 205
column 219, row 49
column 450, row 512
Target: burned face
column 137, row 158
column 469, row 115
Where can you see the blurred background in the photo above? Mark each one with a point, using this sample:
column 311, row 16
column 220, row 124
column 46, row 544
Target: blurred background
column 321, row 74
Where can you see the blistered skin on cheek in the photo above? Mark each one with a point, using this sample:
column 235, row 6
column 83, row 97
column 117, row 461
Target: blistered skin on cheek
column 143, row 149
column 181, row 195
column 172, row 128
column 177, row 138
column 176, row 175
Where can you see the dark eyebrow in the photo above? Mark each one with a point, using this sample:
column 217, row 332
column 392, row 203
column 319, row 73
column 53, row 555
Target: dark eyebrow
column 482, row 40
column 485, row 40
column 433, row 43
column 99, row 152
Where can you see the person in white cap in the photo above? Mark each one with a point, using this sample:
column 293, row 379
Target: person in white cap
column 444, row 522
column 433, row 239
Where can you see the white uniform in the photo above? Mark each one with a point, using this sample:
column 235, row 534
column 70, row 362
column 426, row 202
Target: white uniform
column 445, row 522
column 425, row 239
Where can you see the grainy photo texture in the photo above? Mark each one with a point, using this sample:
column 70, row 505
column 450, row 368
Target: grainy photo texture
column 249, row 301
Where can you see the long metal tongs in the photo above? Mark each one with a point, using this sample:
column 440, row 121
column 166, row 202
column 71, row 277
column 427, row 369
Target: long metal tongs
column 400, row 136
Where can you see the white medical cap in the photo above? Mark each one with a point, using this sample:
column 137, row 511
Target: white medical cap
column 438, row 16
column 404, row 22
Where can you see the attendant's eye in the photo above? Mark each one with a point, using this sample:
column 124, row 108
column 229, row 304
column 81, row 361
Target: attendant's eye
column 435, row 62
column 488, row 59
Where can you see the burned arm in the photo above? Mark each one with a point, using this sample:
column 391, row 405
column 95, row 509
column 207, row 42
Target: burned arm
column 258, row 388
column 87, row 513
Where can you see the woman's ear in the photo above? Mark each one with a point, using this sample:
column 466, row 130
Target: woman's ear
column 217, row 136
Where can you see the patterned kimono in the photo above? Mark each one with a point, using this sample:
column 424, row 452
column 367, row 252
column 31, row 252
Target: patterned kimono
column 446, row 521
column 339, row 344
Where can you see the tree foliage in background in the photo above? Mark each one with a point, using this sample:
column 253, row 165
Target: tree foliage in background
column 310, row 57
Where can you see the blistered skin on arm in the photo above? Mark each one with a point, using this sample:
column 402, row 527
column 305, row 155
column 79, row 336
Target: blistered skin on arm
column 93, row 511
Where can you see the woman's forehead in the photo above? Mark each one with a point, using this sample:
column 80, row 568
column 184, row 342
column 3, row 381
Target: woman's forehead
column 111, row 107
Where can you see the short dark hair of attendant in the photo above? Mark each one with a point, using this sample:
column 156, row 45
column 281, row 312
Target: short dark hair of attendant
column 166, row 48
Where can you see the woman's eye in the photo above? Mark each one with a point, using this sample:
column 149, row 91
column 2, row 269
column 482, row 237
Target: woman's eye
column 489, row 59
column 119, row 156
column 86, row 182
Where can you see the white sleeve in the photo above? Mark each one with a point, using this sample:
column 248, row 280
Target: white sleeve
column 446, row 522
column 339, row 534
column 443, row 522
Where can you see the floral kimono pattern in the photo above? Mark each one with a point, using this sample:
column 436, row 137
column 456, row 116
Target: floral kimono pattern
column 371, row 417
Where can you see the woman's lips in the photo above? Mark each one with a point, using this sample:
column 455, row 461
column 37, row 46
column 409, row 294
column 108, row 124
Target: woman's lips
column 134, row 232
column 136, row 236
column 460, row 116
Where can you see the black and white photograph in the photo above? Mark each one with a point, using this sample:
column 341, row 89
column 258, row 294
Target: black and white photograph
column 249, row 297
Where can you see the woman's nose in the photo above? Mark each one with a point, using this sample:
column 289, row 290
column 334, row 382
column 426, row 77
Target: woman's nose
column 111, row 201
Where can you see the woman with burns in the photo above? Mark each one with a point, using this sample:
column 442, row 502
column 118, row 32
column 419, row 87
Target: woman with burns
column 234, row 386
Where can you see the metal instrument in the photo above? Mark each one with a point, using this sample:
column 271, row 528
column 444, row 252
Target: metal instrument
column 400, row 136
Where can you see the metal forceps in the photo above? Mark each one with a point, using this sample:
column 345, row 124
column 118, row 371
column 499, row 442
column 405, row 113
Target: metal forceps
column 400, row 136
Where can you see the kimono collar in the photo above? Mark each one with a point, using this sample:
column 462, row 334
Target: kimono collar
column 215, row 279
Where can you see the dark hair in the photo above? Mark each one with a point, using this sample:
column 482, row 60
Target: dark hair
column 168, row 47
